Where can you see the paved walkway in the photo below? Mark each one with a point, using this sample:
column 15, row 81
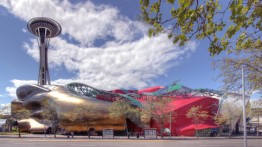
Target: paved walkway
column 78, row 137
column 33, row 140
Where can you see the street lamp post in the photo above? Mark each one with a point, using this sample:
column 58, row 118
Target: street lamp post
column 170, row 125
column 244, row 109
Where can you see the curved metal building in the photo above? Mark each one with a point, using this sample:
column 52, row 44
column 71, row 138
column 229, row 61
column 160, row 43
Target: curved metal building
column 70, row 104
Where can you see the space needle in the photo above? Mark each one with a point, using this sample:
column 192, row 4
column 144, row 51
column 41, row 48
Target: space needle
column 44, row 28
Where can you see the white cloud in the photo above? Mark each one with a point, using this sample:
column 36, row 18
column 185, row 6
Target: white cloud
column 2, row 105
column 17, row 83
column 125, row 58
column 24, row 30
column 256, row 95
column 131, row 64
column 84, row 22
column 259, row 91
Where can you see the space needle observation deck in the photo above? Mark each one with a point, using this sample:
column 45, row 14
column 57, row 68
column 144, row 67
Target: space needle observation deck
column 44, row 28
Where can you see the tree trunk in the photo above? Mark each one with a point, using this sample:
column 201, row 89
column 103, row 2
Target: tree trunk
column 10, row 128
column 88, row 131
column 45, row 131
column 196, row 130
column 161, row 131
column 19, row 133
column 230, row 130
column 219, row 131
column 54, row 130
column 257, row 125
column 126, row 129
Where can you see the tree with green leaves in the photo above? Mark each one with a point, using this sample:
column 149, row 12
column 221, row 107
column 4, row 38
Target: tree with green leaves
column 234, row 26
column 122, row 108
column 49, row 114
column 256, row 112
column 197, row 115
column 230, row 25
column 231, row 70
column 220, row 120
column 19, row 112
column 85, row 113
column 159, row 109
column 4, row 110
column 230, row 113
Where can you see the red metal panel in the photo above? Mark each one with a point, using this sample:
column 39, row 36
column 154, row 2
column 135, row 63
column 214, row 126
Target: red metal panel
column 182, row 125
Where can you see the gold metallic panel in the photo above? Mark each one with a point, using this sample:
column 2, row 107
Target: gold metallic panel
column 66, row 105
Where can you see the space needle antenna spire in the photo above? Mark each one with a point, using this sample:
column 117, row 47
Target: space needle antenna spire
column 44, row 28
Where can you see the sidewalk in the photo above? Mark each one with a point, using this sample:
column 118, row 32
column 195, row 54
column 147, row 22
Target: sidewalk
column 78, row 137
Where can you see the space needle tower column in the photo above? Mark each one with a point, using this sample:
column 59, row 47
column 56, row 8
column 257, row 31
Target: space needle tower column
column 44, row 28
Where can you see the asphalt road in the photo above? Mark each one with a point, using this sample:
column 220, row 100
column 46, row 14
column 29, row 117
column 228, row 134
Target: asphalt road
column 62, row 141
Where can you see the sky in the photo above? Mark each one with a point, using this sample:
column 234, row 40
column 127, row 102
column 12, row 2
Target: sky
column 102, row 44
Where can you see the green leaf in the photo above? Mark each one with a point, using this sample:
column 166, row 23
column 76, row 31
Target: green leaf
column 144, row 3
column 176, row 39
column 183, row 37
column 151, row 32
column 171, row 1
column 155, row 7
column 231, row 31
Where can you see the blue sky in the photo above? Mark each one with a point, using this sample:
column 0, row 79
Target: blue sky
column 102, row 44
